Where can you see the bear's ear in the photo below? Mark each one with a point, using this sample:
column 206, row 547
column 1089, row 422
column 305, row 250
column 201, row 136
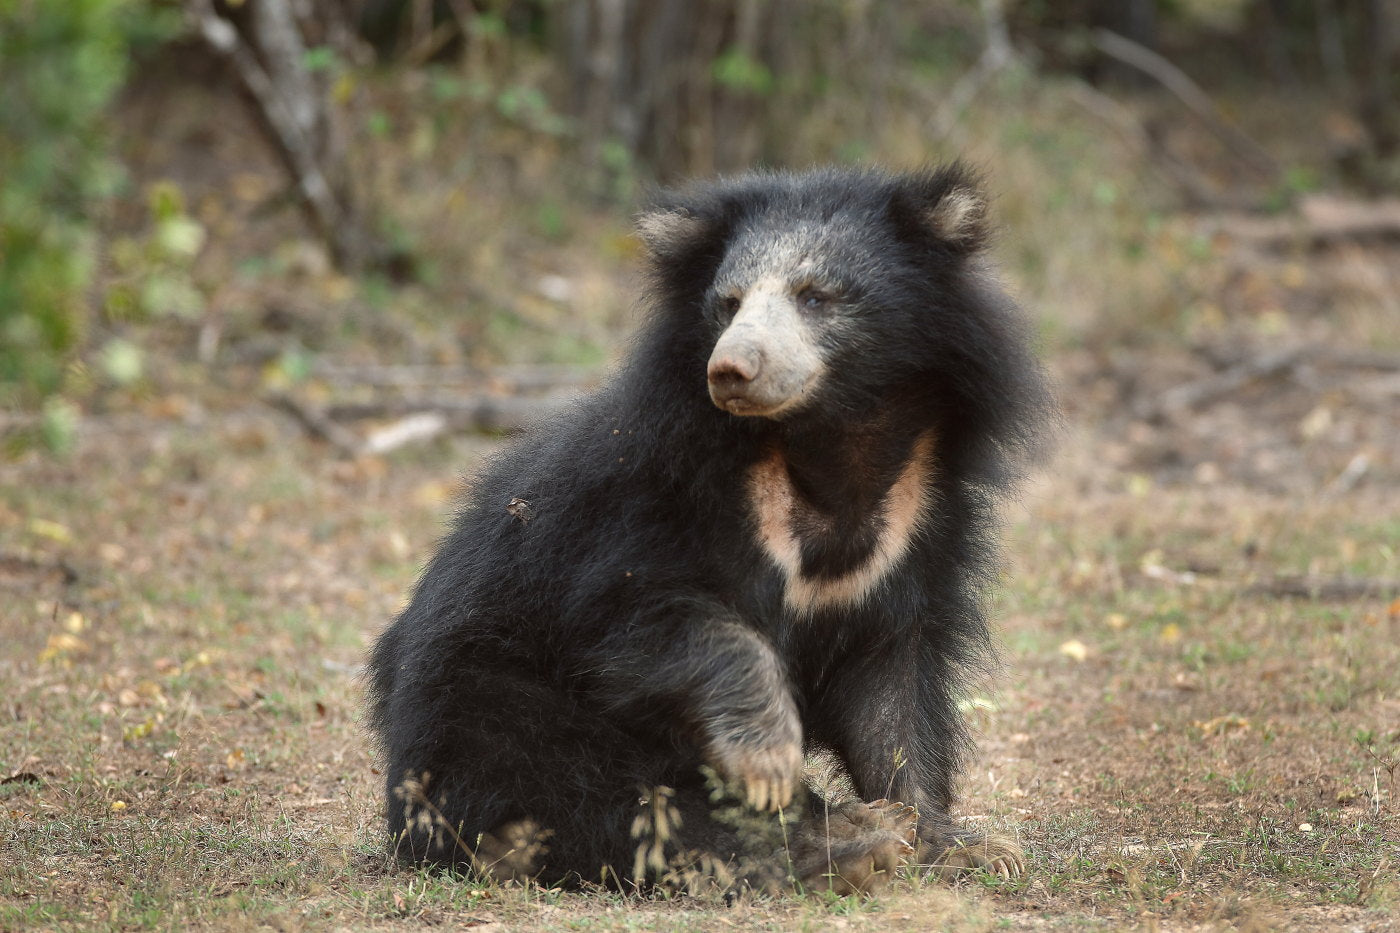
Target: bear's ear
column 671, row 231
column 960, row 216
column 947, row 205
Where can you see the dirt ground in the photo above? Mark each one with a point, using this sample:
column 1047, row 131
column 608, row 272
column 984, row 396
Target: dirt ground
column 1197, row 724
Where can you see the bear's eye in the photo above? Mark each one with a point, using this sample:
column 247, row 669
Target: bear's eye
column 729, row 304
column 813, row 300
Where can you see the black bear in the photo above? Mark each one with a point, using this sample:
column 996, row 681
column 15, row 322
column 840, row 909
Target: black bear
column 765, row 537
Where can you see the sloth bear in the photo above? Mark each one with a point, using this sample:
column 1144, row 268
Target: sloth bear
column 766, row 537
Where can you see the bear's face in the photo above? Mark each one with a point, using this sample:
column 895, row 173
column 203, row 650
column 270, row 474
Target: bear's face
column 796, row 283
column 785, row 296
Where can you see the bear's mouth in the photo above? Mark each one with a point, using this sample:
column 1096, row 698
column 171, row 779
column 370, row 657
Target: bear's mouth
column 744, row 405
column 739, row 405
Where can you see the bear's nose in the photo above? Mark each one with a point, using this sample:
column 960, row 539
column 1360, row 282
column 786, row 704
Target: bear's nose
column 731, row 373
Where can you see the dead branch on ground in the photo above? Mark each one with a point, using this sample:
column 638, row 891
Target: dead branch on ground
column 25, row 564
column 1321, row 220
column 416, row 420
column 1191, row 395
column 406, row 376
column 319, row 425
column 1325, row 588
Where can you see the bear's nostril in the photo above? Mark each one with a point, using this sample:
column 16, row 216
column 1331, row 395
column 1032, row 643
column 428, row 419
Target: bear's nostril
column 728, row 372
column 732, row 370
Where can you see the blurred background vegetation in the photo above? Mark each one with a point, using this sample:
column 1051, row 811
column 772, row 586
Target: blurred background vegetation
column 250, row 196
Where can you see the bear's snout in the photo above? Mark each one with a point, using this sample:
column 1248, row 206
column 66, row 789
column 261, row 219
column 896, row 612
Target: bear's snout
column 731, row 374
column 766, row 363
column 747, row 378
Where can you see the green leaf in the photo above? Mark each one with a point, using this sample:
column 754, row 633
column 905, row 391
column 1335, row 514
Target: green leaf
column 180, row 236
column 739, row 71
column 122, row 361
column 58, row 427
column 321, row 58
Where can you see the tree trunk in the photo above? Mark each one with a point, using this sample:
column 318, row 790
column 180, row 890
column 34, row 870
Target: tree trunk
column 265, row 45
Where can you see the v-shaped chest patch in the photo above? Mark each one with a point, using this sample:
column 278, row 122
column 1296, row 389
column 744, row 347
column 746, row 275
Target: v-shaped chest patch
column 785, row 520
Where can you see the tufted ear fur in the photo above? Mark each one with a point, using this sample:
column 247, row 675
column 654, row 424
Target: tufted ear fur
column 947, row 205
column 684, row 234
column 960, row 216
column 669, row 231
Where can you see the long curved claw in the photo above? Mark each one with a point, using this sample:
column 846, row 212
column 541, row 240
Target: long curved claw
column 1000, row 856
column 768, row 775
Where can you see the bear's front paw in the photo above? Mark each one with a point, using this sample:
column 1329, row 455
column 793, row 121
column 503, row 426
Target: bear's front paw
column 768, row 774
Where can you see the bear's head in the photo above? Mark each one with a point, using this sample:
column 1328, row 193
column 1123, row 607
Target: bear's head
column 833, row 285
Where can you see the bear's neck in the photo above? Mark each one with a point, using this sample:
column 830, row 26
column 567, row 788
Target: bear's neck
column 844, row 472
column 837, row 509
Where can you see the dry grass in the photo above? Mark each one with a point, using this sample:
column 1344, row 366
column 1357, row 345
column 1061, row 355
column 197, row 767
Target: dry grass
column 189, row 705
column 185, row 601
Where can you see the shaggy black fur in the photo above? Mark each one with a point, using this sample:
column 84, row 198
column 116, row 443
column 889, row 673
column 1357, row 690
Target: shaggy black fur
column 625, row 626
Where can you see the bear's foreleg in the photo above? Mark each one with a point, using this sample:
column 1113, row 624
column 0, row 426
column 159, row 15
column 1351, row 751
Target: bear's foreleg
column 896, row 732
column 893, row 719
column 727, row 691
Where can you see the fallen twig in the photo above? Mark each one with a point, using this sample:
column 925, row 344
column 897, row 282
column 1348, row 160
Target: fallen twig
column 418, row 419
column 409, row 376
column 1193, row 395
column 320, row 425
column 416, row 428
column 483, row 411
column 1325, row 588
column 24, row 564
column 1344, row 481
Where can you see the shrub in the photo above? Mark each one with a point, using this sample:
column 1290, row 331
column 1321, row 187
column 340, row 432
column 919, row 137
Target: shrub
column 60, row 65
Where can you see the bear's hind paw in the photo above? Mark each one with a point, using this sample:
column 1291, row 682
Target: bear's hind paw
column 996, row 855
column 856, row 848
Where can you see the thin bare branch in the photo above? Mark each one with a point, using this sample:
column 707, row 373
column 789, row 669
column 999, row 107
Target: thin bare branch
column 996, row 55
column 1189, row 93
